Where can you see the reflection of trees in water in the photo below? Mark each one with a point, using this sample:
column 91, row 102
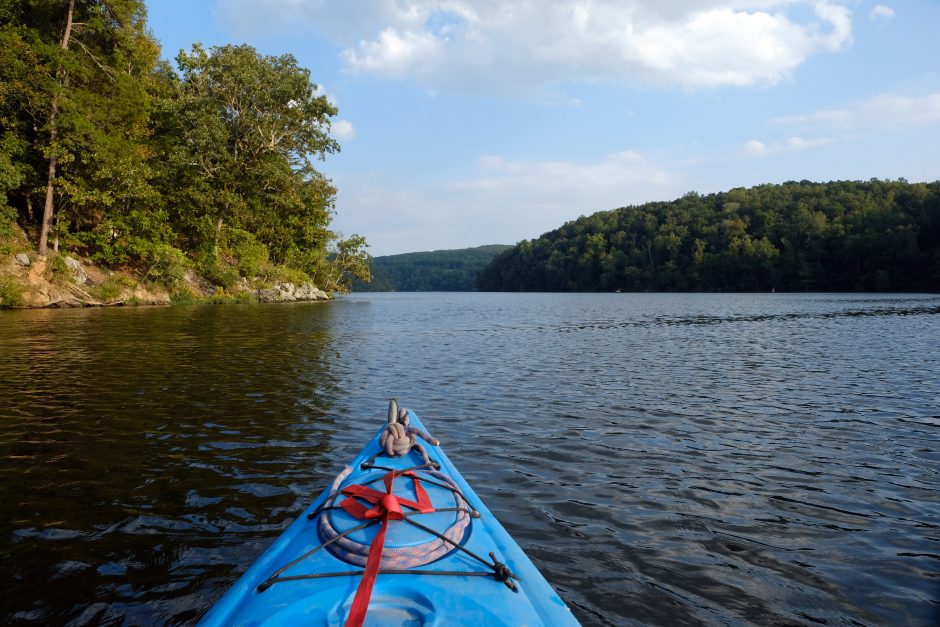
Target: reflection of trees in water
column 144, row 452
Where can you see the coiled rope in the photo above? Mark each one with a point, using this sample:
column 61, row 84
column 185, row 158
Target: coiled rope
column 357, row 553
column 398, row 438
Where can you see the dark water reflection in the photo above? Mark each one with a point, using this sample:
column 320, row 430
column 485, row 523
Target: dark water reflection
column 665, row 459
column 144, row 453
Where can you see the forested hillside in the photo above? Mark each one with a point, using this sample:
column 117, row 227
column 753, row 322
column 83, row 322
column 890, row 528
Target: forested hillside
column 110, row 153
column 436, row 271
column 840, row 236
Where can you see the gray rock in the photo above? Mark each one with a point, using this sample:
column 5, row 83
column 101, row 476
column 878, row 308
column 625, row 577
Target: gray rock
column 199, row 283
column 305, row 291
column 78, row 272
column 311, row 292
column 268, row 295
column 22, row 259
column 287, row 289
column 288, row 292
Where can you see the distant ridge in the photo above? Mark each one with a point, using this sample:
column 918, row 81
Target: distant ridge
column 432, row 271
column 840, row 236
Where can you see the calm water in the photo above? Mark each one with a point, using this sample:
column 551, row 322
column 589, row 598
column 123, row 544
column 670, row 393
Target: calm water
column 664, row 459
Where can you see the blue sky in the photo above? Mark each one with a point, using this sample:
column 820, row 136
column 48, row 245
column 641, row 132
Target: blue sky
column 470, row 122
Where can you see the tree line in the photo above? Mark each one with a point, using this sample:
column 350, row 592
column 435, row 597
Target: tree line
column 797, row 236
column 434, row 271
column 108, row 151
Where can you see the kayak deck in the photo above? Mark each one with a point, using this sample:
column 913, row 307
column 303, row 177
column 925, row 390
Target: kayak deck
column 475, row 574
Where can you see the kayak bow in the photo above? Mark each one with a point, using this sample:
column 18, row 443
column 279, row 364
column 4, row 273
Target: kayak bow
column 399, row 538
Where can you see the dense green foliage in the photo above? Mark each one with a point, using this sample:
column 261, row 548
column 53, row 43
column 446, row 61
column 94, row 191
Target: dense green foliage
column 124, row 159
column 840, row 236
column 436, row 271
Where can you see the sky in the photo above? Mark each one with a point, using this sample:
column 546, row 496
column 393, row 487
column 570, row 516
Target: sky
column 471, row 122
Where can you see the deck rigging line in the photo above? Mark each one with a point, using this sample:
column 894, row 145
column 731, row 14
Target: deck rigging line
column 397, row 440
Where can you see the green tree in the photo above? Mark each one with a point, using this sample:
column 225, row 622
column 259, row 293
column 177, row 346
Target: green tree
column 24, row 91
column 349, row 260
column 100, row 54
column 433, row 271
column 241, row 133
column 139, row 165
column 874, row 235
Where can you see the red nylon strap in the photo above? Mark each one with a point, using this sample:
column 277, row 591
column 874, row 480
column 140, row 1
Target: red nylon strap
column 387, row 506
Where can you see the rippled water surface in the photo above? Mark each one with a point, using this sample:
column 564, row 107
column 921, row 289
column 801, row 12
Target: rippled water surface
column 664, row 459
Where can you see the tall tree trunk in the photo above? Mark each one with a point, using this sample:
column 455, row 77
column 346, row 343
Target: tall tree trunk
column 53, row 137
column 55, row 241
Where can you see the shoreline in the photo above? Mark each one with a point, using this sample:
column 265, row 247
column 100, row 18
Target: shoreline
column 60, row 281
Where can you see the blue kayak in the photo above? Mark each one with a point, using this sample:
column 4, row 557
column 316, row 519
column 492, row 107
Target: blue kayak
column 399, row 538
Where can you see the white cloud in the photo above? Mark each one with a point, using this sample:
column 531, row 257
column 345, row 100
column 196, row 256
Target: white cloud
column 757, row 148
column 881, row 13
column 615, row 171
column 627, row 156
column 886, row 111
column 343, row 130
column 516, row 45
column 393, row 54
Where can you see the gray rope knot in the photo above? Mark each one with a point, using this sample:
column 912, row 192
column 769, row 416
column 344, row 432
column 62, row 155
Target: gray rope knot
column 502, row 573
column 398, row 438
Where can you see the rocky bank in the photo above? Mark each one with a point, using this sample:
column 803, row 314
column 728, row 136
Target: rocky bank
column 30, row 281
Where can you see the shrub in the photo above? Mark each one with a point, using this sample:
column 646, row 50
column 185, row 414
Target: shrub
column 9, row 243
column 218, row 271
column 7, row 220
column 251, row 255
column 11, row 292
column 113, row 287
column 222, row 274
column 184, row 296
column 168, row 265
column 58, row 271
column 125, row 239
column 286, row 274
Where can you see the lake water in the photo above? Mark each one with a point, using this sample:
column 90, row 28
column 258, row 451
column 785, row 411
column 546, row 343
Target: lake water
column 664, row 459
